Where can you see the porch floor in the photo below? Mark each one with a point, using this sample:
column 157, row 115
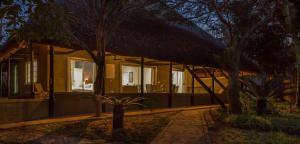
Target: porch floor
column 104, row 115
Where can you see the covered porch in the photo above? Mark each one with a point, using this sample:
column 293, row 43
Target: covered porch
column 163, row 83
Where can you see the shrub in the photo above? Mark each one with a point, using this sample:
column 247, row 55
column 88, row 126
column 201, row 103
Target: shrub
column 248, row 104
column 219, row 114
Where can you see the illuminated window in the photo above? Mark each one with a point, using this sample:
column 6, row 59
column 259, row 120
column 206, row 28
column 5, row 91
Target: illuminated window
column 177, row 80
column 131, row 78
column 82, row 75
column 131, row 75
column 16, row 87
column 28, row 71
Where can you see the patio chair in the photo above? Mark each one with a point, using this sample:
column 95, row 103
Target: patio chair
column 39, row 91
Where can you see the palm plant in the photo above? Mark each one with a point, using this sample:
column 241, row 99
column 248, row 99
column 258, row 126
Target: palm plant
column 119, row 105
column 262, row 88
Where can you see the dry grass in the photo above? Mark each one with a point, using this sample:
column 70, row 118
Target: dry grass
column 138, row 129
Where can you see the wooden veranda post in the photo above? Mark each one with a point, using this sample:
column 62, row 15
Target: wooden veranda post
column 216, row 80
column 1, row 80
column 142, row 80
column 103, row 84
column 193, row 88
column 51, row 83
column 170, row 86
column 8, row 77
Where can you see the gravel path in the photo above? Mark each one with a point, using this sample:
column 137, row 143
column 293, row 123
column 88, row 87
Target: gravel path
column 187, row 127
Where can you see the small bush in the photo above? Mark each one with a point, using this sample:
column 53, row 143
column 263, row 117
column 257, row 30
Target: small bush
column 248, row 104
column 219, row 114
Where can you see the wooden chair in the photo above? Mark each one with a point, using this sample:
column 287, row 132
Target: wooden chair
column 39, row 91
column 149, row 88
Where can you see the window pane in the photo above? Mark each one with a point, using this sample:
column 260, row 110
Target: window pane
column 177, row 81
column 28, row 74
column 82, row 75
column 35, row 67
column 16, row 88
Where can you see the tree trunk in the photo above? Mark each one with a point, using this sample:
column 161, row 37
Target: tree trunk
column 118, row 117
column 234, row 83
column 118, row 122
column 234, row 93
column 261, row 106
column 100, row 61
column 98, row 88
column 97, row 94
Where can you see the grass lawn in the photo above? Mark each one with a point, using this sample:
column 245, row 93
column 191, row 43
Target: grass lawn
column 139, row 129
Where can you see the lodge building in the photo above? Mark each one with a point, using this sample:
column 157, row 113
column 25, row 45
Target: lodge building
column 171, row 63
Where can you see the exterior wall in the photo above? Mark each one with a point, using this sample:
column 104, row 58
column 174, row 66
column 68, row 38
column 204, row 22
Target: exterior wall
column 76, row 103
column 73, row 104
column 163, row 75
column 12, row 110
column 113, row 84
column 67, row 104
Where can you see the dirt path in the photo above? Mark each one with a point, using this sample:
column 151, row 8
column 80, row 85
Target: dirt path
column 187, row 127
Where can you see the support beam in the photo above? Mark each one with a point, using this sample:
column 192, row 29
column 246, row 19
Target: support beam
column 51, row 83
column 1, row 80
column 213, row 85
column 224, row 74
column 206, row 87
column 103, row 105
column 211, row 74
column 193, row 89
column 142, row 80
column 170, row 86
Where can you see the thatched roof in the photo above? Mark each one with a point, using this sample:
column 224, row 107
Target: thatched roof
column 164, row 36
column 167, row 40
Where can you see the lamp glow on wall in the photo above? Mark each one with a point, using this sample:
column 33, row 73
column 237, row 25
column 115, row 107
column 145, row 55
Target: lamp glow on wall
column 110, row 74
column 110, row 71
